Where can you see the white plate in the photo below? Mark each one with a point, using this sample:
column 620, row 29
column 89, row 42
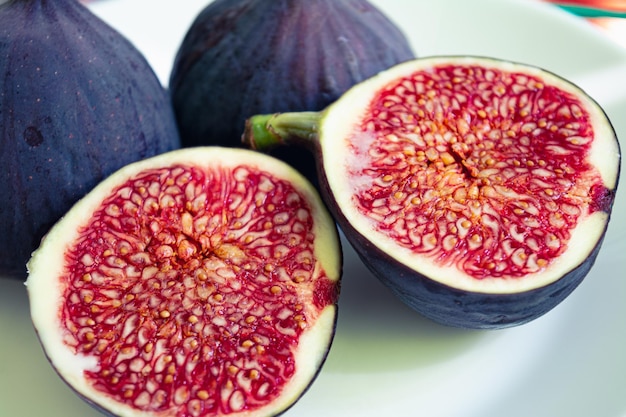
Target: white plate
column 386, row 360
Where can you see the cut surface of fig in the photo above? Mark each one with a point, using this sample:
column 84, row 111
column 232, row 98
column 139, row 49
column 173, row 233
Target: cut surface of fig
column 201, row 282
column 479, row 190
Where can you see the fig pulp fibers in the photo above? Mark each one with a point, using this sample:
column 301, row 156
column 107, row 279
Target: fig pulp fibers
column 191, row 289
column 476, row 167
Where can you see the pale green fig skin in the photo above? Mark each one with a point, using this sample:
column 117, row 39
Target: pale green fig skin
column 470, row 306
column 47, row 262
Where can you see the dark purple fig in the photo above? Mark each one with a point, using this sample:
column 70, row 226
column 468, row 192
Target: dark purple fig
column 243, row 57
column 199, row 282
column 77, row 101
column 478, row 190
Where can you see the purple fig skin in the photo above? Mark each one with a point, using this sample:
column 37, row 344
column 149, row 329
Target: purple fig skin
column 77, row 102
column 245, row 57
column 452, row 306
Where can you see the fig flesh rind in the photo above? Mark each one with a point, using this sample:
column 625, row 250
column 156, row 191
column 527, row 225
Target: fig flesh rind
column 460, row 308
column 76, row 312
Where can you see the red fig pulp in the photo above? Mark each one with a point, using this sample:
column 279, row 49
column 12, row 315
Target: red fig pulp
column 201, row 282
column 479, row 190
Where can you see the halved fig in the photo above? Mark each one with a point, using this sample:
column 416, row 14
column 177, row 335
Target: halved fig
column 478, row 190
column 201, row 282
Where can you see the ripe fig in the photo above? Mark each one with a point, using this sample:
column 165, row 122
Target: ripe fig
column 243, row 57
column 200, row 282
column 478, row 190
column 77, row 101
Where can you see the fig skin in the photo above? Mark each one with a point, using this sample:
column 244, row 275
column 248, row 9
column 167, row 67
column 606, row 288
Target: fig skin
column 419, row 282
column 77, row 101
column 456, row 307
column 244, row 57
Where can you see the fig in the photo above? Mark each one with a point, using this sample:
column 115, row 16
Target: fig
column 77, row 102
column 479, row 190
column 199, row 282
column 243, row 57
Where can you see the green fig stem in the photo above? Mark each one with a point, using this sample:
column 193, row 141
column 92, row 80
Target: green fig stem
column 266, row 131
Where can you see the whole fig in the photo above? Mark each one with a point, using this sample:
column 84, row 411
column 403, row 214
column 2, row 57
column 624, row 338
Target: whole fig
column 243, row 57
column 77, row 102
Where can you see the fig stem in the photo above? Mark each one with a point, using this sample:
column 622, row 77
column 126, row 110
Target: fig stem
column 265, row 131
